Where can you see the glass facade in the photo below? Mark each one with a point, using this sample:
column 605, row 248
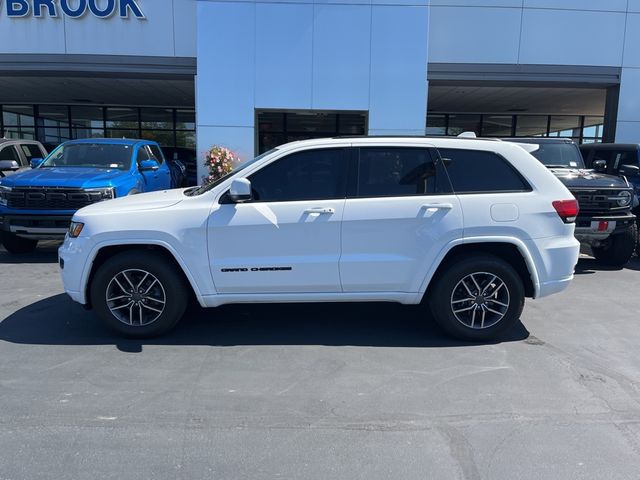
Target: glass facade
column 54, row 124
column 276, row 128
column 580, row 128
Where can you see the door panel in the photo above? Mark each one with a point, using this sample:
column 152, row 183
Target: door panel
column 400, row 214
column 287, row 239
column 152, row 180
column 280, row 247
column 388, row 244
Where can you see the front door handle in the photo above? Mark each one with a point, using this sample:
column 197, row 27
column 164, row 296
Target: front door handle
column 437, row 206
column 320, row 211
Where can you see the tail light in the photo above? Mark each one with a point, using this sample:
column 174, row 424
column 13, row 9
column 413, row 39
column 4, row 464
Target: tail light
column 567, row 210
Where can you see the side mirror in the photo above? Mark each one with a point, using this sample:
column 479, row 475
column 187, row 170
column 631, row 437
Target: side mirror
column 8, row 166
column 599, row 165
column 630, row 170
column 240, row 190
column 148, row 166
column 36, row 162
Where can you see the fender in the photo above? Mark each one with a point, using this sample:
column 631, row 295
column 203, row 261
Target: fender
column 160, row 243
column 519, row 244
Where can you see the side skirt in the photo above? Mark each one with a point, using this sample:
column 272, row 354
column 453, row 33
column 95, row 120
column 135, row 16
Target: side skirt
column 395, row 297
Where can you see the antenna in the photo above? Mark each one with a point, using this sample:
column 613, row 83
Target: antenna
column 467, row 135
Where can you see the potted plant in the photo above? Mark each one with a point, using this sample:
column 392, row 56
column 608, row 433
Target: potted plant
column 219, row 161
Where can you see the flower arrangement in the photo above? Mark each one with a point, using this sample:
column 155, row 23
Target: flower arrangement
column 219, row 161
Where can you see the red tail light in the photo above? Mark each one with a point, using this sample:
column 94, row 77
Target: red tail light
column 567, row 210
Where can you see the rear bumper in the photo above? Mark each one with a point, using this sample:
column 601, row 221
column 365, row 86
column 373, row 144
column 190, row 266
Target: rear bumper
column 555, row 259
column 38, row 227
column 602, row 226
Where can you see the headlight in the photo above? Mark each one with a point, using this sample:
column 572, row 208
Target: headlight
column 624, row 199
column 75, row 228
column 107, row 193
column 4, row 195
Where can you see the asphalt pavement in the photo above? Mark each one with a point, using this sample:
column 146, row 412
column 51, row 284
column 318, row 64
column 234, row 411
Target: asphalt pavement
column 329, row 391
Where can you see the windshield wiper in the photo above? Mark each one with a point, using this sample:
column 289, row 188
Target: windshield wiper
column 558, row 166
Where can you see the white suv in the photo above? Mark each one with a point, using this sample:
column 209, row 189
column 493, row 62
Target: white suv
column 467, row 227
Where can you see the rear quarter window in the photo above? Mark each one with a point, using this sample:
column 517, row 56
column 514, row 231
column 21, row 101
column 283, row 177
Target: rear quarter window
column 473, row 171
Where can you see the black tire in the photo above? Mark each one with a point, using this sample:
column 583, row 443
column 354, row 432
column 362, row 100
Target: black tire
column 638, row 237
column 170, row 283
column 448, row 285
column 618, row 249
column 17, row 245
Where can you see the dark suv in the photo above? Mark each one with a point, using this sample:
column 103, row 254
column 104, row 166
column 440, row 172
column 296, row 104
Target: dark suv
column 605, row 222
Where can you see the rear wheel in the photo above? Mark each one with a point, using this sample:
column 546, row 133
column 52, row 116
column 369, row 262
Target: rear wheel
column 618, row 249
column 477, row 298
column 139, row 294
column 17, row 245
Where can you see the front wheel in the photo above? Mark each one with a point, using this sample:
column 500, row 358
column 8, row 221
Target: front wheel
column 618, row 249
column 477, row 298
column 17, row 245
column 139, row 294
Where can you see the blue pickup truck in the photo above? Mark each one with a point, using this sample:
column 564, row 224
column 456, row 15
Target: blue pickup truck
column 38, row 204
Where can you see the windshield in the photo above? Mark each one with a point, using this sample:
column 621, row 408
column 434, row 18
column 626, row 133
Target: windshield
column 559, row 155
column 239, row 168
column 92, row 155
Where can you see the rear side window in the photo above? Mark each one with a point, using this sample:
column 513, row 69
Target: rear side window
column 309, row 175
column 399, row 172
column 156, row 153
column 473, row 171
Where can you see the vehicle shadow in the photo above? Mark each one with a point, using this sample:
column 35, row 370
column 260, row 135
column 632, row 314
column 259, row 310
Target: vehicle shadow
column 587, row 266
column 58, row 321
column 47, row 252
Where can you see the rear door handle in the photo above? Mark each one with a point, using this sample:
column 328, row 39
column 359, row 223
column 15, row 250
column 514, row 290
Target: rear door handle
column 320, row 211
column 437, row 206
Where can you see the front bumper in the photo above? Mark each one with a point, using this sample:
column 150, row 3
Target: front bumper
column 602, row 226
column 73, row 255
column 37, row 227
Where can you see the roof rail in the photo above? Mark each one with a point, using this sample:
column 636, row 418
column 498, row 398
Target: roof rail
column 420, row 136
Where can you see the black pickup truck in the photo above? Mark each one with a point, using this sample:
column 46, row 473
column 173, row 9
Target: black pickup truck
column 605, row 221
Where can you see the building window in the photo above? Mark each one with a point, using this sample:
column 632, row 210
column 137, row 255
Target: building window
column 592, row 129
column 463, row 123
column 18, row 121
column 581, row 129
column 54, row 124
column 278, row 127
column 497, row 125
column 565, row 126
column 437, row 125
column 532, row 125
column 87, row 122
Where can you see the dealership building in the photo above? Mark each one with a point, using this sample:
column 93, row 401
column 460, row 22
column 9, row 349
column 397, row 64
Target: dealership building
column 250, row 75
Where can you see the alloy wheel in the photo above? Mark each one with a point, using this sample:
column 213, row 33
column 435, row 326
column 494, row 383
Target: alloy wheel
column 136, row 297
column 480, row 300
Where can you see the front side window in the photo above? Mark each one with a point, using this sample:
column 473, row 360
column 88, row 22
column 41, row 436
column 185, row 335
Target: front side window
column 31, row 151
column 143, row 154
column 309, row 175
column 90, row 155
column 473, row 171
column 614, row 159
column 9, row 153
column 398, row 172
